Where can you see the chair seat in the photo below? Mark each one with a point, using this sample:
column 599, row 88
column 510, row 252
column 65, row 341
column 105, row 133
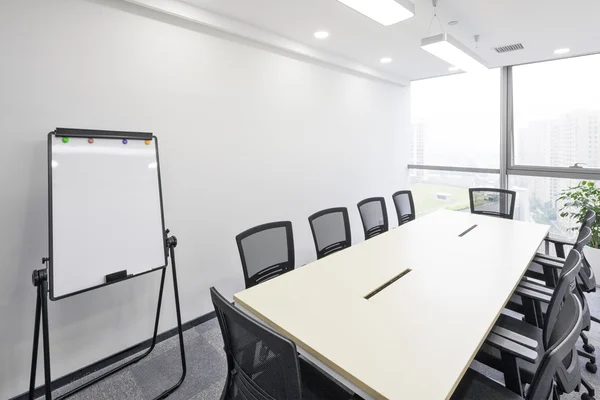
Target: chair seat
column 475, row 386
column 491, row 356
column 318, row 386
column 535, row 267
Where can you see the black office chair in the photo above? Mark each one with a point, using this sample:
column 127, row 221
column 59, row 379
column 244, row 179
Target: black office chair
column 405, row 206
column 373, row 214
column 585, row 277
column 266, row 251
column 263, row 365
column 586, row 280
column 331, row 230
column 493, row 202
column 544, row 266
column 557, row 366
column 520, row 369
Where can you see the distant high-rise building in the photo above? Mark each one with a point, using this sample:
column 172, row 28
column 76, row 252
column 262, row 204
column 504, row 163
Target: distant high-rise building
column 418, row 146
column 572, row 138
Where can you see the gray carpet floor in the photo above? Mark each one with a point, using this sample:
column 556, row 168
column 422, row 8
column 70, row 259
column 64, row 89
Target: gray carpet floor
column 206, row 368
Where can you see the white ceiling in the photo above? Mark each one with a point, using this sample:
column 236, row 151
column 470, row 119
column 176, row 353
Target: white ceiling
column 541, row 25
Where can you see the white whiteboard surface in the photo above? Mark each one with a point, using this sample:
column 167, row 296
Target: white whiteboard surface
column 106, row 213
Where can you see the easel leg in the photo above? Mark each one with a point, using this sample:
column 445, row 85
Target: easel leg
column 178, row 311
column 130, row 362
column 46, row 339
column 36, row 341
column 41, row 312
column 172, row 243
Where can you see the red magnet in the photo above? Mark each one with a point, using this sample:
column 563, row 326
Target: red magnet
column 90, row 141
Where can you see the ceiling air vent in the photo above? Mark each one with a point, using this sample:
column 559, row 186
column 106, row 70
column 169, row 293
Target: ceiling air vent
column 510, row 47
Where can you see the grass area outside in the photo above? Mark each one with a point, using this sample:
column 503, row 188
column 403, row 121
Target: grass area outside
column 426, row 201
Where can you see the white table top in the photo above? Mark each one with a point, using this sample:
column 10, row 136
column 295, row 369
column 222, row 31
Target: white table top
column 416, row 338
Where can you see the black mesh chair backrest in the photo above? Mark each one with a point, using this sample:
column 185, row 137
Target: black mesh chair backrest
column 262, row 364
column 331, row 230
column 589, row 219
column 586, row 274
column 373, row 214
column 565, row 285
column 493, row 202
column 405, row 206
column 587, row 278
column 560, row 362
column 266, row 251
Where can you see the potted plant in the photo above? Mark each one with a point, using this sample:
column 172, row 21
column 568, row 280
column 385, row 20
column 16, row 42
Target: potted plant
column 578, row 200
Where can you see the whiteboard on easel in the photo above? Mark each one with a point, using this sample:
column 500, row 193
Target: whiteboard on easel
column 105, row 208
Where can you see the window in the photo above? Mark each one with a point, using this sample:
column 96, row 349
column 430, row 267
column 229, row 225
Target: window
column 434, row 190
column 456, row 120
column 556, row 107
column 537, row 201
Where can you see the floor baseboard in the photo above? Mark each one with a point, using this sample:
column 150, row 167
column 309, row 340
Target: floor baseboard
column 115, row 358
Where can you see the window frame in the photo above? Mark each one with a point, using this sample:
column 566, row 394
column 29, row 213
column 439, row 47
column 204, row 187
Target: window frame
column 508, row 132
column 507, row 139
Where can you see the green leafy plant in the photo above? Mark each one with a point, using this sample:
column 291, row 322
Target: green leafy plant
column 579, row 199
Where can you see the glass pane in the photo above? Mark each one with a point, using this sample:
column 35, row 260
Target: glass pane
column 456, row 120
column 537, row 202
column 557, row 112
column 434, row 190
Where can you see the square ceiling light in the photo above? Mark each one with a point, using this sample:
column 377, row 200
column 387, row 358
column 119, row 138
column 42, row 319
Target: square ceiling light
column 386, row 12
column 453, row 52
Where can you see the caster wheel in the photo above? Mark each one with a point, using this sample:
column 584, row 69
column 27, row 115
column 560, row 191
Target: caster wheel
column 586, row 396
column 589, row 348
column 593, row 368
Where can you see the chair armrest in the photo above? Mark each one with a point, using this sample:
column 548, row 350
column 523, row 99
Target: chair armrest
column 536, row 287
column 533, row 295
column 515, row 337
column 556, row 240
column 549, row 257
column 559, row 245
column 547, row 263
column 512, row 348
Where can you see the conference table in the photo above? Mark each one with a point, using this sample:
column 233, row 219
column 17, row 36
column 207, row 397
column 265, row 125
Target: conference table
column 402, row 315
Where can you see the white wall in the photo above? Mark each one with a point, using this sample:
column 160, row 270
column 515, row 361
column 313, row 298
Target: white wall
column 247, row 136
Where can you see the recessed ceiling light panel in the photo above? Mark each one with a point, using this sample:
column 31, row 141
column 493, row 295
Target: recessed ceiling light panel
column 321, row 35
column 563, row 50
column 386, row 12
column 453, row 69
column 385, row 60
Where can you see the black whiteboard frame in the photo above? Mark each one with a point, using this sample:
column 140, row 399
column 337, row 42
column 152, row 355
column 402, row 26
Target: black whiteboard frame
column 90, row 133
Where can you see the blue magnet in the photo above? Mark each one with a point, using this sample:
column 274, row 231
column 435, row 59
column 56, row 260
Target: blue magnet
column 124, row 141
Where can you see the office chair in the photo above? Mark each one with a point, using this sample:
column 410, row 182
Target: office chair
column 538, row 339
column 493, row 202
column 263, row 365
column 557, row 371
column 331, row 230
column 544, row 267
column 585, row 277
column 405, row 206
column 266, row 251
column 373, row 214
